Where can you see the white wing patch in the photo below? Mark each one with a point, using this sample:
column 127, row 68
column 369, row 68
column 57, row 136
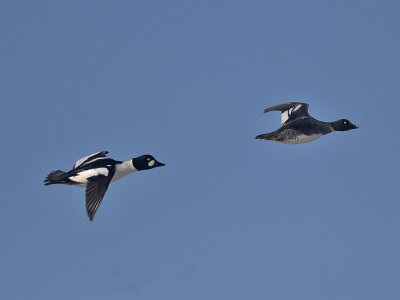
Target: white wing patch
column 80, row 161
column 284, row 116
column 296, row 107
column 287, row 113
column 82, row 177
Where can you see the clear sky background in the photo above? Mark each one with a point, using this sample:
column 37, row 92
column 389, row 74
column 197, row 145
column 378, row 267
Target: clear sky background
column 228, row 217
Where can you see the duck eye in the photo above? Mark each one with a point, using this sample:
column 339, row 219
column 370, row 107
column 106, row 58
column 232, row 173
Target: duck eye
column 148, row 159
column 345, row 122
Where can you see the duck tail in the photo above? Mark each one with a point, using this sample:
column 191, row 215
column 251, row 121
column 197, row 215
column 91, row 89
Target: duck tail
column 55, row 177
column 265, row 136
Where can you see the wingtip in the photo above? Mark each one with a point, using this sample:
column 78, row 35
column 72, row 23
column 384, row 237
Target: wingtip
column 266, row 110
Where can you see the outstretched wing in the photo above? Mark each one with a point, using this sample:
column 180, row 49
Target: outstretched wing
column 84, row 160
column 290, row 111
column 95, row 191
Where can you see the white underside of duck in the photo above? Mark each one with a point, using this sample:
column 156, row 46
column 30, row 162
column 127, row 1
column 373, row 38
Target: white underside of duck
column 302, row 138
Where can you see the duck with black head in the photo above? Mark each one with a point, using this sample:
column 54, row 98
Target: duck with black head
column 298, row 127
column 96, row 172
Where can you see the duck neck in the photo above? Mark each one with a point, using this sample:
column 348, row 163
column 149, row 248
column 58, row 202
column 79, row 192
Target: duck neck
column 122, row 169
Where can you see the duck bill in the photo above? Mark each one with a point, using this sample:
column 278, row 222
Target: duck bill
column 158, row 164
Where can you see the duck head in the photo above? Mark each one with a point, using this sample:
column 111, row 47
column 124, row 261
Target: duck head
column 146, row 162
column 343, row 125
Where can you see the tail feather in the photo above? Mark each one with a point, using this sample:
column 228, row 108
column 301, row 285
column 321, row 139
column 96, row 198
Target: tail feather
column 266, row 136
column 55, row 177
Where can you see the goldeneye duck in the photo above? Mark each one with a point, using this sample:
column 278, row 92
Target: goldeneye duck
column 299, row 127
column 96, row 171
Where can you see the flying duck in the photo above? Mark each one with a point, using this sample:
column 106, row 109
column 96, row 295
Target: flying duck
column 96, row 171
column 299, row 127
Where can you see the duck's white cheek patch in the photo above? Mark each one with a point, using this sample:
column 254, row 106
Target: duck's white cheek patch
column 151, row 163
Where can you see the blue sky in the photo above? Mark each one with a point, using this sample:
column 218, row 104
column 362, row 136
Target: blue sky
column 228, row 217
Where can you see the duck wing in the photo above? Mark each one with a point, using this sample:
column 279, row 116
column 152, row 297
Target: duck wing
column 95, row 191
column 85, row 160
column 290, row 111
